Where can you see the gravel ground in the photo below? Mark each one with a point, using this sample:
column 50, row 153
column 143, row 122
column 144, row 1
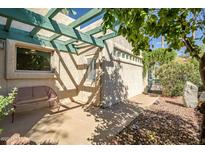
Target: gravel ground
column 165, row 122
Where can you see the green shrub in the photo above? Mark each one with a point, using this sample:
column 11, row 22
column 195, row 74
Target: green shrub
column 158, row 56
column 5, row 103
column 173, row 76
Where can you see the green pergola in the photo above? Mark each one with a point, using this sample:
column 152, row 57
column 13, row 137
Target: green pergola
column 48, row 23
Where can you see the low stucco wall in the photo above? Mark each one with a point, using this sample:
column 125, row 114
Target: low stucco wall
column 121, row 79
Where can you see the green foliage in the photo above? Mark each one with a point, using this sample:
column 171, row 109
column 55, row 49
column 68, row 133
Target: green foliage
column 5, row 103
column 160, row 56
column 140, row 25
column 173, row 76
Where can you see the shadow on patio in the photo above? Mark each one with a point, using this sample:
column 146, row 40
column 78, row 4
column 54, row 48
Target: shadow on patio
column 42, row 125
column 111, row 121
column 114, row 116
column 75, row 123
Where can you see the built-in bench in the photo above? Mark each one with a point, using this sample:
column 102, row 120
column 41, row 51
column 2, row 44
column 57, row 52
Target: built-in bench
column 28, row 95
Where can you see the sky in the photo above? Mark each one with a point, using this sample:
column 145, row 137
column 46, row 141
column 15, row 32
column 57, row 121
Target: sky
column 158, row 44
column 82, row 11
column 155, row 42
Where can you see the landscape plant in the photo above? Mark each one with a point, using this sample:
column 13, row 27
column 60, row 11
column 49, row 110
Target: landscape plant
column 158, row 56
column 178, row 26
column 174, row 75
column 5, row 104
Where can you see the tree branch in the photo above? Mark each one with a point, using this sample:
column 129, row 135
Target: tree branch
column 190, row 47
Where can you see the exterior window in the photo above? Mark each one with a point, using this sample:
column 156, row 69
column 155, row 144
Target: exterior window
column 118, row 54
column 29, row 59
column 91, row 76
column 123, row 55
column 127, row 56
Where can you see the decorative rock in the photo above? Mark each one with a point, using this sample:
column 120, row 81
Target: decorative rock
column 202, row 97
column 190, row 95
column 16, row 139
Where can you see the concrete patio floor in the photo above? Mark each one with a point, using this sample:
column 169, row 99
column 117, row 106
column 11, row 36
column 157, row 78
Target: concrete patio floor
column 74, row 123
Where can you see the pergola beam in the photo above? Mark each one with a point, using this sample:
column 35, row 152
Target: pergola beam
column 53, row 37
column 8, row 24
column 51, row 13
column 23, row 36
column 90, row 32
column 37, row 20
column 95, row 30
column 108, row 36
column 71, row 48
column 71, row 41
column 34, row 31
column 72, row 11
column 84, row 18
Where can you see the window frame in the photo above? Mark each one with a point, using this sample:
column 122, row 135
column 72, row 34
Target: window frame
column 33, row 48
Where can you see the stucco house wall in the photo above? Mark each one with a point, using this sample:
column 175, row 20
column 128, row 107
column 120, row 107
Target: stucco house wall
column 68, row 79
column 116, row 79
column 122, row 78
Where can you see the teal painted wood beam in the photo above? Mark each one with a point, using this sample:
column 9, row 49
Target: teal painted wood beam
column 8, row 24
column 34, row 31
column 71, row 48
column 90, row 32
column 71, row 41
column 57, row 44
column 95, row 30
column 23, row 36
column 108, row 36
column 73, row 12
column 51, row 13
column 86, row 17
column 34, row 19
column 55, row 36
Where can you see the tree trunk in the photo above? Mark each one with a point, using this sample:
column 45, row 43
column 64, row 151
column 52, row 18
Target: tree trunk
column 202, row 69
column 202, row 107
